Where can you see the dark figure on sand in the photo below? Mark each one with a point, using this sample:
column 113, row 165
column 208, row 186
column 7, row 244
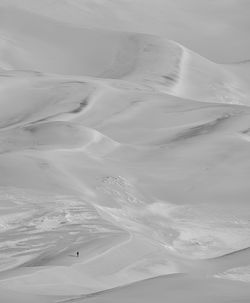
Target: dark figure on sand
column 77, row 253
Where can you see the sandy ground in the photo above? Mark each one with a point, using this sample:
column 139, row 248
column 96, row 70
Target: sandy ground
column 124, row 136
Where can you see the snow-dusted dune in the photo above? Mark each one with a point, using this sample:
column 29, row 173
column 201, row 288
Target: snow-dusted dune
column 126, row 146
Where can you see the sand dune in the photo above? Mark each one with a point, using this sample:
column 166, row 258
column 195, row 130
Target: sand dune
column 217, row 30
column 121, row 138
column 40, row 98
column 148, row 60
column 164, row 288
column 55, row 135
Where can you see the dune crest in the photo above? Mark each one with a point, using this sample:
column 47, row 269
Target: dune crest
column 147, row 60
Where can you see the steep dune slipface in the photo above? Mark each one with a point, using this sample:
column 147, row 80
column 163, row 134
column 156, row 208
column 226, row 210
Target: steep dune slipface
column 214, row 29
column 125, row 147
column 33, row 42
column 28, row 97
column 50, row 46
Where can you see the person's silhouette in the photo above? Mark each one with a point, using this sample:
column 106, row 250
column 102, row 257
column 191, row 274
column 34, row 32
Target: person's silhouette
column 77, row 253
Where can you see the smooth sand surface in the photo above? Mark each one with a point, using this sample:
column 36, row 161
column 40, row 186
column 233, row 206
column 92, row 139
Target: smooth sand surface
column 176, row 289
column 124, row 137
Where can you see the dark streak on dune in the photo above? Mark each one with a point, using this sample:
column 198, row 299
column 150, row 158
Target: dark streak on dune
column 241, row 62
column 5, row 75
column 245, row 131
column 42, row 120
column 170, row 78
column 240, row 252
column 198, row 130
column 235, row 109
column 13, row 122
column 81, row 106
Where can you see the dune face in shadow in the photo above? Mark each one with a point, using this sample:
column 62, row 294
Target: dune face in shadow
column 124, row 155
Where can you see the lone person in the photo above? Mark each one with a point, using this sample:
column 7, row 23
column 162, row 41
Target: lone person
column 77, row 253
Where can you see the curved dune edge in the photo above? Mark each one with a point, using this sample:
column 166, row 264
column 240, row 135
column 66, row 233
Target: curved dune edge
column 147, row 60
column 56, row 135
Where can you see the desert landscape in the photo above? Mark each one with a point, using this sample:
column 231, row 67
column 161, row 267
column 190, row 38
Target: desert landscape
column 124, row 151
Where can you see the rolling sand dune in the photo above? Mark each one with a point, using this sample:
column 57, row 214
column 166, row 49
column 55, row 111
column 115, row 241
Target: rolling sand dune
column 144, row 59
column 121, row 143
column 55, row 135
column 177, row 289
column 214, row 29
